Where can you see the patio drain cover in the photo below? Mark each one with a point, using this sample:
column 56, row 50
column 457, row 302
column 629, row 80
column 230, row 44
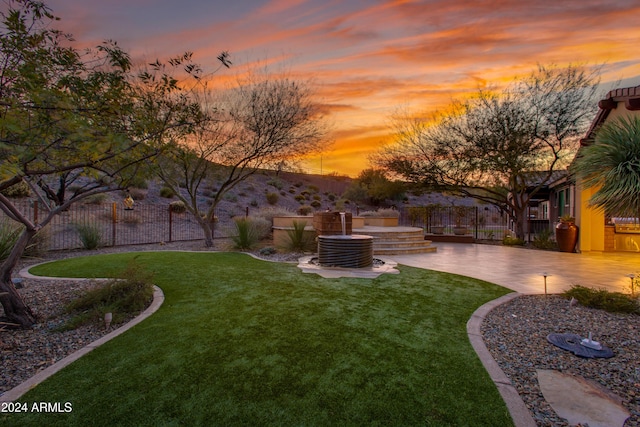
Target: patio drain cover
column 571, row 342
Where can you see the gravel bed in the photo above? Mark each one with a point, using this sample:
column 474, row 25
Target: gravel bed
column 515, row 334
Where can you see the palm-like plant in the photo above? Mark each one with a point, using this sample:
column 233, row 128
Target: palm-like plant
column 612, row 164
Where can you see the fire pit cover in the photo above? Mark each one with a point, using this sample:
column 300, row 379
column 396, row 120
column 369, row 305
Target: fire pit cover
column 571, row 342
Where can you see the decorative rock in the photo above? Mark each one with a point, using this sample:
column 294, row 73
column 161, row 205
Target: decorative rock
column 580, row 402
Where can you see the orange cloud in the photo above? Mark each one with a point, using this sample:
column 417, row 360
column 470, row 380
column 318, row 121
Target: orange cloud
column 369, row 58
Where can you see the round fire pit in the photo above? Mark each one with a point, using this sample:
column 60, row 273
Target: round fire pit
column 349, row 251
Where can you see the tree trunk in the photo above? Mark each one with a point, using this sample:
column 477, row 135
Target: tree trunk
column 207, row 231
column 14, row 306
column 520, row 233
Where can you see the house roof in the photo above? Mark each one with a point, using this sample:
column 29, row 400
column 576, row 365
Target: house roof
column 629, row 96
column 535, row 178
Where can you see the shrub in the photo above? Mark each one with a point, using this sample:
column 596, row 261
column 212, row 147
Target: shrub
column 275, row 183
column 254, row 203
column 305, row 210
column 300, row 198
column 9, row 234
column 90, row 235
column 123, row 297
column 20, row 189
column 137, row 194
column 272, row 198
column 316, row 204
column 249, row 231
column 167, row 192
column 313, row 188
column 512, row 241
column 615, row 302
column 177, row 206
column 298, row 239
column 39, row 243
column 543, row 240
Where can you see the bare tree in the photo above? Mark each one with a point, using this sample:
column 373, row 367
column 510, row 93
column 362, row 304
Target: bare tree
column 262, row 123
column 499, row 147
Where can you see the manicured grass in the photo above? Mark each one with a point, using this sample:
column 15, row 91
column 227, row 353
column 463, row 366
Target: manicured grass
column 240, row 341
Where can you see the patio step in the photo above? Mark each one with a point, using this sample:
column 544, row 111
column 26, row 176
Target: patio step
column 397, row 240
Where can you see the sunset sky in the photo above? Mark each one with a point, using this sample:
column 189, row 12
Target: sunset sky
column 372, row 58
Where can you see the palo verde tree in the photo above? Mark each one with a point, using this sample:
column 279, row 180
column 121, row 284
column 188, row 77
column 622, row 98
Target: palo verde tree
column 499, row 147
column 262, row 122
column 69, row 115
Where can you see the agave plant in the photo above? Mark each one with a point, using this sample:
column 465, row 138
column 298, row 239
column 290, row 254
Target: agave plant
column 612, row 165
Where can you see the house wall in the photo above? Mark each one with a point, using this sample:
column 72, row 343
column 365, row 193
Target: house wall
column 590, row 222
column 594, row 235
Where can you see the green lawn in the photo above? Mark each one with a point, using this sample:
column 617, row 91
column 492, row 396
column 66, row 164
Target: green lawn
column 239, row 341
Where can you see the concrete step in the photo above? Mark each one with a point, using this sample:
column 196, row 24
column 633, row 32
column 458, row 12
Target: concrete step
column 397, row 240
column 403, row 251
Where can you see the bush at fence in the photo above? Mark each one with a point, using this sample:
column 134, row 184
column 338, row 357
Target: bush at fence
column 90, row 235
column 178, row 206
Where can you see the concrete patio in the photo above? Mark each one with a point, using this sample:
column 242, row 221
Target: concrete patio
column 521, row 269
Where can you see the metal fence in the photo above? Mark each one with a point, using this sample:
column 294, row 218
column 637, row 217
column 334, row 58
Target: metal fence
column 482, row 222
column 117, row 225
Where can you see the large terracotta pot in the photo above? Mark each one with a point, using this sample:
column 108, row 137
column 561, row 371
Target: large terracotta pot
column 567, row 236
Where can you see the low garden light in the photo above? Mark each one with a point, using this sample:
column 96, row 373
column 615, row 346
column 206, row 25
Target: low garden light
column 545, row 275
column 108, row 317
column 632, row 277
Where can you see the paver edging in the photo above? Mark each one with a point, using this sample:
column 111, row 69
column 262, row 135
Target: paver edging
column 516, row 406
column 19, row 390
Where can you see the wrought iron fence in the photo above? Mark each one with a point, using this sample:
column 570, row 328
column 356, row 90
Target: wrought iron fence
column 117, row 226
column 482, row 222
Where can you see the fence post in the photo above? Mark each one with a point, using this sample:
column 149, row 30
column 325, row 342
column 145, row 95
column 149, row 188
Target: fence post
column 114, row 220
column 477, row 222
column 35, row 212
column 170, row 223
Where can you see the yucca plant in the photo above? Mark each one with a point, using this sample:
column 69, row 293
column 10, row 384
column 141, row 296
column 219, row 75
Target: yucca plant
column 9, row 234
column 298, row 239
column 247, row 234
column 612, row 164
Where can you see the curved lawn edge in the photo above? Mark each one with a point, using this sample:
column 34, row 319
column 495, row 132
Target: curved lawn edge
column 19, row 390
column 517, row 409
column 461, row 322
